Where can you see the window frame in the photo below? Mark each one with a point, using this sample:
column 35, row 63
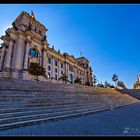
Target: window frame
column 56, row 63
column 49, row 68
column 34, row 53
column 49, row 60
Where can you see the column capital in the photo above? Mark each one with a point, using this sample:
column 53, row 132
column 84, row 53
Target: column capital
column 11, row 39
column 44, row 46
column 28, row 39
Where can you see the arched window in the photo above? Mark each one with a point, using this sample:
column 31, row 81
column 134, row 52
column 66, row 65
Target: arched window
column 71, row 77
column 34, row 53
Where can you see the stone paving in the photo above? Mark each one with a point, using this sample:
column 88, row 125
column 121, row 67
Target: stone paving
column 124, row 121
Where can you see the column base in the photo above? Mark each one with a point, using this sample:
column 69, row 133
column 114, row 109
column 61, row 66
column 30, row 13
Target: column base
column 27, row 76
column 16, row 73
column 42, row 78
column 6, row 73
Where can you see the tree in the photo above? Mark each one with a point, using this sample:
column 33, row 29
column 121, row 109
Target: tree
column 100, row 85
column 112, row 86
column 64, row 78
column 94, row 80
column 36, row 69
column 77, row 80
column 115, row 79
column 106, row 84
column 136, row 85
column 121, row 84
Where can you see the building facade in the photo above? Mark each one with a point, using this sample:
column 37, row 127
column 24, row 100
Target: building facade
column 26, row 42
column 137, row 82
column 138, row 78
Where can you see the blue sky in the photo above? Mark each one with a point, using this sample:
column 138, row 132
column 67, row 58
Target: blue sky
column 107, row 34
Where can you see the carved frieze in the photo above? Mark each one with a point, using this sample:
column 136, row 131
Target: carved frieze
column 21, row 24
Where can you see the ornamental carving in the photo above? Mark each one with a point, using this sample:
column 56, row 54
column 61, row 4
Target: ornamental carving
column 24, row 22
column 21, row 25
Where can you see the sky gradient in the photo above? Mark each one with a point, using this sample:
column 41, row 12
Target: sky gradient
column 107, row 34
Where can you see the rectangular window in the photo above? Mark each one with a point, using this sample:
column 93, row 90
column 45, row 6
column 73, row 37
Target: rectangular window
column 70, row 67
column 49, row 68
column 49, row 60
column 55, row 63
column 61, row 65
column 77, row 71
column 55, row 76
column 61, row 72
column 49, row 75
column 55, row 70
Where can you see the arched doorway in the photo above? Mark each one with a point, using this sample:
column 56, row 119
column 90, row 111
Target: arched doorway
column 71, row 78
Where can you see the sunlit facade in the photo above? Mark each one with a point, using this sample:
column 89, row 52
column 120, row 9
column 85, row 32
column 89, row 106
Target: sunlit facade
column 26, row 42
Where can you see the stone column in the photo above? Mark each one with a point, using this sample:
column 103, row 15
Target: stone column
column 2, row 58
column 44, row 59
column 46, row 64
column 27, row 54
column 90, row 78
column 25, row 73
column 41, row 57
column 53, row 67
column 14, row 55
column 7, row 64
column 19, row 57
column 67, row 68
column 87, row 76
column 59, row 68
column 20, row 53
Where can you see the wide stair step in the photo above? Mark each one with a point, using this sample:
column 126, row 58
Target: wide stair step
column 13, row 122
column 24, row 102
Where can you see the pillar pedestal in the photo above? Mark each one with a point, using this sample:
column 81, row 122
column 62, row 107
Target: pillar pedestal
column 16, row 73
column 5, row 74
column 26, row 75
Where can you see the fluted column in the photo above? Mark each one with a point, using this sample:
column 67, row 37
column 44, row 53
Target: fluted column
column 53, row 65
column 44, row 59
column 14, row 55
column 40, row 58
column 59, row 68
column 27, row 54
column 20, row 53
column 2, row 58
column 67, row 69
column 7, row 63
column 18, row 64
column 87, row 77
column 44, row 48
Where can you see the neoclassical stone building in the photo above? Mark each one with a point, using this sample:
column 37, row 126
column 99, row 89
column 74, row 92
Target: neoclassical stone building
column 26, row 42
column 138, row 81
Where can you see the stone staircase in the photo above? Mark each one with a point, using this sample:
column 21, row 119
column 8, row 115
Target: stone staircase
column 24, row 102
column 132, row 92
